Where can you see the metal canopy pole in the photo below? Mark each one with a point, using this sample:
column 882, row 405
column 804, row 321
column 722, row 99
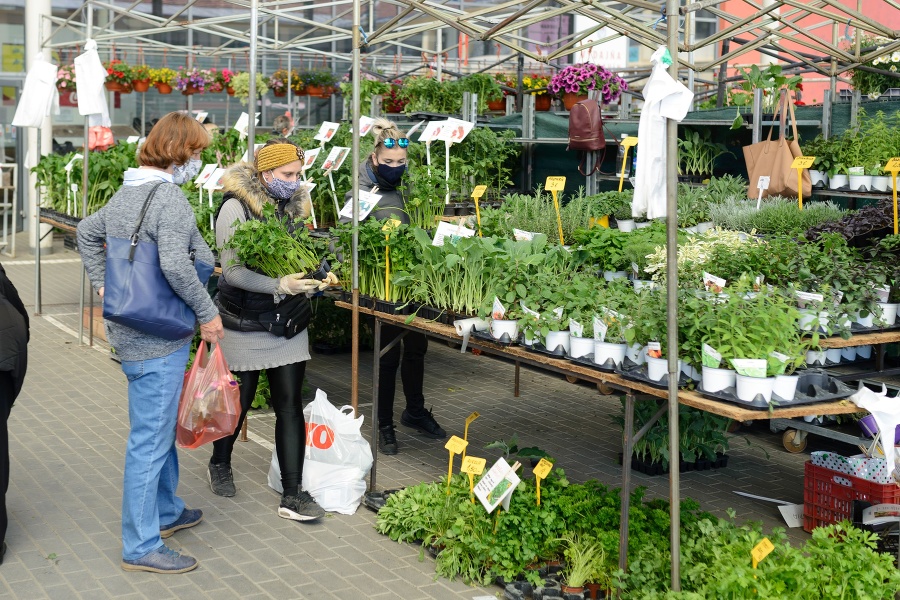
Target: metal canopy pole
column 251, row 128
column 84, row 192
column 354, row 248
column 672, row 304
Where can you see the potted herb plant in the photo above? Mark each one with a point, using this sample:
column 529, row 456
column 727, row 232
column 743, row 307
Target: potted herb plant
column 697, row 155
column 584, row 557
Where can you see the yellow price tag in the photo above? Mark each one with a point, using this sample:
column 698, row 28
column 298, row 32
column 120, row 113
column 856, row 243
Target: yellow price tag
column 473, row 465
column 479, row 191
column 456, row 444
column 469, row 420
column 555, row 184
column 542, row 469
column 761, row 550
column 629, row 141
column 893, row 165
column 803, row 162
column 391, row 225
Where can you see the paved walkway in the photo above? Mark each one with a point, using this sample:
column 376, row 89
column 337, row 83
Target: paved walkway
column 68, row 432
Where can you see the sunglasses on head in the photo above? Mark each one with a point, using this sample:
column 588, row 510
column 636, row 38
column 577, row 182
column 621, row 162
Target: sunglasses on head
column 391, row 142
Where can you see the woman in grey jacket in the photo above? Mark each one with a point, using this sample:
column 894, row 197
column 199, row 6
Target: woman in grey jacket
column 155, row 366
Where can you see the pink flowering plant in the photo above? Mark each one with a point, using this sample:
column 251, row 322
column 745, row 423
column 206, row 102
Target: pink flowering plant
column 198, row 78
column 583, row 77
column 65, row 77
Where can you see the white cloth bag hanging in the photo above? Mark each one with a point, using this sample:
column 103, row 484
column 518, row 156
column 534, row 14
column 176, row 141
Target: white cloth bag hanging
column 337, row 457
column 89, row 79
column 664, row 98
column 39, row 98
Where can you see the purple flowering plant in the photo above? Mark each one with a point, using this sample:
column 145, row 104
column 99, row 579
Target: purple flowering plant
column 584, row 77
column 198, row 78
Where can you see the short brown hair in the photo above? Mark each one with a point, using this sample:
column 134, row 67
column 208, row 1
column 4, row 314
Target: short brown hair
column 173, row 140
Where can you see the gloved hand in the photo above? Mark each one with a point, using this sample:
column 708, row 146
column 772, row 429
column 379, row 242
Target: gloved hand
column 331, row 279
column 296, row 284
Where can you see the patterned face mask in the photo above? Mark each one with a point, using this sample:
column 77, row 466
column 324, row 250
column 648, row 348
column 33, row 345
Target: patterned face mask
column 281, row 189
column 181, row 174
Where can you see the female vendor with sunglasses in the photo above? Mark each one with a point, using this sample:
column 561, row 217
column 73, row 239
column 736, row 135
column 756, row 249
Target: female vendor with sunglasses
column 384, row 169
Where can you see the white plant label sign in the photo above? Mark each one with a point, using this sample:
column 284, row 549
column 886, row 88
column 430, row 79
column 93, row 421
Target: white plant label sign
column 326, row 131
column 763, row 182
column 309, row 159
column 432, row 131
column 497, row 486
column 246, row 156
column 365, row 125
column 243, row 124
column 498, row 311
column 455, row 130
column 600, row 329
column 528, row 311
column 448, row 231
column 214, row 182
column 576, row 328
column 367, row 201
column 523, row 236
column 335, row 158
column 205, row 174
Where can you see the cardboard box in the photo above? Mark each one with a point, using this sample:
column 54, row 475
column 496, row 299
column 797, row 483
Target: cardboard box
column 99, row 330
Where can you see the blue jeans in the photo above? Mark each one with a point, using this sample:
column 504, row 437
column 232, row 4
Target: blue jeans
column 151, row 463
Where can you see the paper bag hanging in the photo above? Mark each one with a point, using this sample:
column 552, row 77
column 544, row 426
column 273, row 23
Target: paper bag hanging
column 774, row 158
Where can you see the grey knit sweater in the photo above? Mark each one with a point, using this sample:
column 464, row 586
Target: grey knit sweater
column 171, row 224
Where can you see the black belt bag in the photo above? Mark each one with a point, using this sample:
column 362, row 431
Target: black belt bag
column 289, row 318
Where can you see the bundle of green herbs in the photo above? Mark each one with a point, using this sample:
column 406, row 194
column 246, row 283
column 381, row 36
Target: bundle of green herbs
column 266, row 245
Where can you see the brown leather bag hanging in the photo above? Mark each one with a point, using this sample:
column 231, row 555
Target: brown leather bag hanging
column 586, row 134
column 774, row 159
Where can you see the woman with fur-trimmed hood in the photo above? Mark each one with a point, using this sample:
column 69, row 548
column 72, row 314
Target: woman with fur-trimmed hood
column 249, row 348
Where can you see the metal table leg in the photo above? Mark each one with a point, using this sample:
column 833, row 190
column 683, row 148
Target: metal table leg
column 627, row 450
column 376, row 374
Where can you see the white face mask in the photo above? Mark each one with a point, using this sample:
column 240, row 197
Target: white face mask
column 181, row 174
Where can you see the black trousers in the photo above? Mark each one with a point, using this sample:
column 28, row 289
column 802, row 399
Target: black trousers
column 286, row 384
column 6, row 402
column 409, row 357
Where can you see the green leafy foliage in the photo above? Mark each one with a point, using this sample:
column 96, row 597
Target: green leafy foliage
column 267, row 246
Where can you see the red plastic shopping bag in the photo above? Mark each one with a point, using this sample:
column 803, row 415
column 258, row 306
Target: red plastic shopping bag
column 210, row 401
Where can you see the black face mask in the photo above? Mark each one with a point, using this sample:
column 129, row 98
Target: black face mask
column 390, row 174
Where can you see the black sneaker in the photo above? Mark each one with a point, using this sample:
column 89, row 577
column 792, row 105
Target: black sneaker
column 426, row 424
column 221, row 479
column 387, row 439
column 301, row 507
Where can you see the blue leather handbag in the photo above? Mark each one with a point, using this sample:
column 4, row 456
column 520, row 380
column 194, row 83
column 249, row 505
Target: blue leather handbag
column 137, row 293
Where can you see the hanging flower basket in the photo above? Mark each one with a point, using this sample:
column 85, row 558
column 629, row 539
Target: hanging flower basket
column 570, row 100
column 229, row 90
column 190, row 90
column 141, row 85
column 280, row 93
column 542, row 102
column 164, row 88
column 497, row 104
column 314, row 90
column 115, row 86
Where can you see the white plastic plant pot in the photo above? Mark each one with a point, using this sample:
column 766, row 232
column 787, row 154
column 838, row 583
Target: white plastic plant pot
column 626, row 225
column 704, row 226
column 749, row 387
column 657, row 368
column 715, row 380
column 691, row 229
column 849, row 353
column 604, row 351
column 815, row 358
column 884, row 292
column 510, row 327
column 836, row 182
column 888, row 314
column 880, row 183
column 844, row 321
column 864, row 352
column 636, row 354
column 818, row 178
column 640, row 284
column 580, row 346
column 785, row 386
column 833, row 355
column 689, row 371
column 613, row 275
column 642, row 225
column 860, row 183
column 867, row 321
column 808, row 320
column 557, row 339
column 46, row 238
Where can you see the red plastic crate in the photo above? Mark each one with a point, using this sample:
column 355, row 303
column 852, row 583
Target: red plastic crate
column 828, row 495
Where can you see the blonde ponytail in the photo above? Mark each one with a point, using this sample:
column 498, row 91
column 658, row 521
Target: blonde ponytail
column 383, row 129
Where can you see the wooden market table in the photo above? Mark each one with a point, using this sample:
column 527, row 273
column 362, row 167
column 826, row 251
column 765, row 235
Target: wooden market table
column 606, row 383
